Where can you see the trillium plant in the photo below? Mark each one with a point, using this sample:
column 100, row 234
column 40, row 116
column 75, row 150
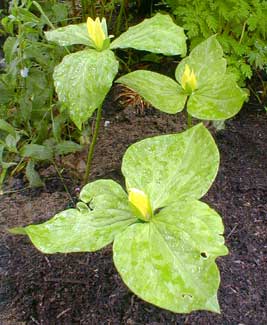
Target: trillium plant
column 165, row 240
column 202, row 85
column 83, row 79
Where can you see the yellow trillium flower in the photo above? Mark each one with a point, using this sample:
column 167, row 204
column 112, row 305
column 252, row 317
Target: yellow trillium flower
column 189, row 81
column 96, row 32
column 141, row 201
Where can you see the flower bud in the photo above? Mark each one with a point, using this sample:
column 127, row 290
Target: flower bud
column 97, row 32
column 140, row 201
column 188, row 81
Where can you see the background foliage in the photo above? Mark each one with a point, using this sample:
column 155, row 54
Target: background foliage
column 241, row 27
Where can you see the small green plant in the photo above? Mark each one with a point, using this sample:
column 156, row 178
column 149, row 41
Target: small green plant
column 17, row 152
column 165, row 241
column 31, row 128
column 240, row 25
column 84, row 78
column 203, row 86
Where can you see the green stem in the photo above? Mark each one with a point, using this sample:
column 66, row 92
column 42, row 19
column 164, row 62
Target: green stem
column 119, row 18
column 49, row 23
column 2, row 178
column 92, row 145
column 63, row 182
column 44, row 15
column 189, row 120
column 189, row 116
column 84, row 9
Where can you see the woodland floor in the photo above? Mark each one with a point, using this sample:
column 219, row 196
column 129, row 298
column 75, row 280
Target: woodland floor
column 85, row 288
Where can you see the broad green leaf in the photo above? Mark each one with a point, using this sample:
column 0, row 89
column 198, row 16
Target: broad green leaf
column 82, row 81
column 70, row 35
column 33, row 176
column 217, row 96
column 36, row 152
column 207, row 62
column 24, row 14
column 218, row 101
column 87, row 228
column 7, row 92
column 170, row 262
column 160, row 91
column 106, row 197
column 158, row 34
column 10, row 48
column 5, row 126
column 66, row 147
column 3, row 164
column 174, row 167
column 11, row 142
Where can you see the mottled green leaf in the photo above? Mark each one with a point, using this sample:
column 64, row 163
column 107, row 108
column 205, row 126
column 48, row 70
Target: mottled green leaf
column 87, row 228
column 160, row 91
column 82, row 81
column 173, row 167
column 170, row 262
column 207, row 62
column 70, row 35
column 218, row 101
column 158, row 34
column 217, row 96
column 36, row 152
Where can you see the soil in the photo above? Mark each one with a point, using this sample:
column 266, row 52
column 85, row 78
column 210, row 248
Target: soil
column 85, row 288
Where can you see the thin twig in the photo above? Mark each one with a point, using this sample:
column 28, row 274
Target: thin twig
column 63, row 182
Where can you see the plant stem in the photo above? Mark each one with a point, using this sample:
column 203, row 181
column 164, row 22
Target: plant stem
column 44, row 15
column 119, row 18
column 92, row 145
column 189, row 120
column 63, row 182
column 84, row 9
column 189, row 116
column 47, row 20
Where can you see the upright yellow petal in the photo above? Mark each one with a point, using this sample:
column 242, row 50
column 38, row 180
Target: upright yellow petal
column 90, row 27
column 188, row 80
column 185, row 76
column 193, row 80
column 96, row 32
column 141, row 201
column 99, row 34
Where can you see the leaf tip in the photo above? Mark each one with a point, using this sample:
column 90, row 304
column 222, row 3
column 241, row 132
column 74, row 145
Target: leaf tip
column 17, row 231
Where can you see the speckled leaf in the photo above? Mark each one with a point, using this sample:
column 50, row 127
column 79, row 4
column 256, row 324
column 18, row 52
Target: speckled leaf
column 217, row 101
column 173, row 167
column 85, row 229
column 160, row 91
column 207, row 62
column 82, row 81
column 170, row 261
column 158, row 34
column 70, row 35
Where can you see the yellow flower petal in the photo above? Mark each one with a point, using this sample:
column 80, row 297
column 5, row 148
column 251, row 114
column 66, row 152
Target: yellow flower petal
column 141, row 201
column 90, row 26
column 188, row 80
column 95, row 32
column 99, row 34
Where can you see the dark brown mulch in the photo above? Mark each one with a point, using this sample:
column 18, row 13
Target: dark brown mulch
column 86, row 289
